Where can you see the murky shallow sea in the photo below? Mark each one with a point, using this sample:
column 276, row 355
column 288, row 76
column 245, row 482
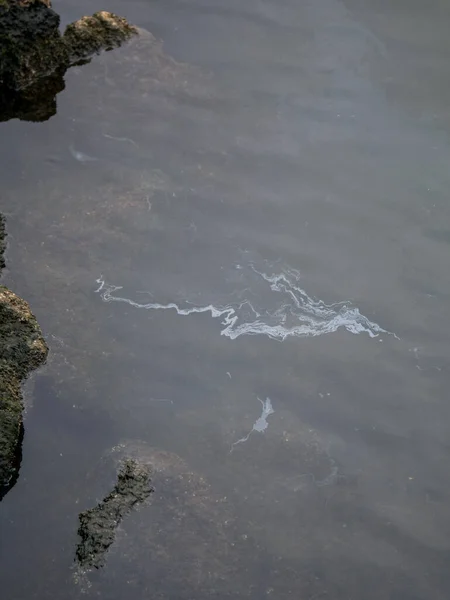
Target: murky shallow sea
column 237, row 244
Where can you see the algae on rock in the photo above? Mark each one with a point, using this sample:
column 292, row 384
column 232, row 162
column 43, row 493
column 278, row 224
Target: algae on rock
column 22, row 349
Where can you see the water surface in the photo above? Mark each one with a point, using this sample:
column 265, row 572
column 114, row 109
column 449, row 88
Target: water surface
column 247, row 213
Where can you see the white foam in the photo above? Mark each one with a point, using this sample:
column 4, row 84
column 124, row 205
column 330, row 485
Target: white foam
column 260, row 424
column 294, row 314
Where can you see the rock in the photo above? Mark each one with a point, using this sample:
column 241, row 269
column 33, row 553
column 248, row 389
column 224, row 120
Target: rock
column 34, row 56
column 30, row 42
column 90, row 35
column 22, row 349
column 185, row 540
column 98, row 526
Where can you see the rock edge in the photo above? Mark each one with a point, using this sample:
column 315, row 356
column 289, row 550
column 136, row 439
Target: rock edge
column 22, row 349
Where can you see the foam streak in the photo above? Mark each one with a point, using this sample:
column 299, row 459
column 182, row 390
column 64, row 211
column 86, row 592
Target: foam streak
column 298, row 315
column 260, row 424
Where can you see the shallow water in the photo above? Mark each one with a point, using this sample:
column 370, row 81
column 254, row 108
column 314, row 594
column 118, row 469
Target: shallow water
column 261, row 206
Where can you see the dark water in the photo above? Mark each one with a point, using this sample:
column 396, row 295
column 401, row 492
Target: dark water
column 269, row 189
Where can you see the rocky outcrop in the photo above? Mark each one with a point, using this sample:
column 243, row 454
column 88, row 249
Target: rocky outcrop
column 91, row 35
column 34, row 56
column 98, row 526
column 22, row 349
column 30, row 42
column 184, row 539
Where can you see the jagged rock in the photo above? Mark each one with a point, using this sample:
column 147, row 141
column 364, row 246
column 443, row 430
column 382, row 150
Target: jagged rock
column 185, row 540
column 90, row 35
column 22, row 349
column 30, row 42
column 34, row 56
column 98, row 526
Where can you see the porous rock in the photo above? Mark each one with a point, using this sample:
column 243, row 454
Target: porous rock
column 22, row 349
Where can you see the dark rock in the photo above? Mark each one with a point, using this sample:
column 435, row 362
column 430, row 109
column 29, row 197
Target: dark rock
column 30, row 42
column 98, row 526
column 91, row 35
column 22, row 349
column 34, row 56
column 186, row 540
column 36, row 102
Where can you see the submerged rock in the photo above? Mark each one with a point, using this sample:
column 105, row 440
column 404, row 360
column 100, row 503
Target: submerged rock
column 98, row 526
column 186, row 542
column 22, row 349
column 34, row 56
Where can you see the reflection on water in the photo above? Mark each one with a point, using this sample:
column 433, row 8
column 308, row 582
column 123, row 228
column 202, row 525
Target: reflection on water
column 35, row 103
column 191, row 175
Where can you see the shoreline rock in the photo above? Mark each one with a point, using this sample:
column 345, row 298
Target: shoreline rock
column 90, row 35
column 34, row 55
column 30, row 42
column 22, row 349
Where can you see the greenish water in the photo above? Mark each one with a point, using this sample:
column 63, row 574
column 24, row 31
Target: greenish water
column 257, row 208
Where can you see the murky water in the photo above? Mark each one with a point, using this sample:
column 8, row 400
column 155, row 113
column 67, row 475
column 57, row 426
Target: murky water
column 237, row 244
